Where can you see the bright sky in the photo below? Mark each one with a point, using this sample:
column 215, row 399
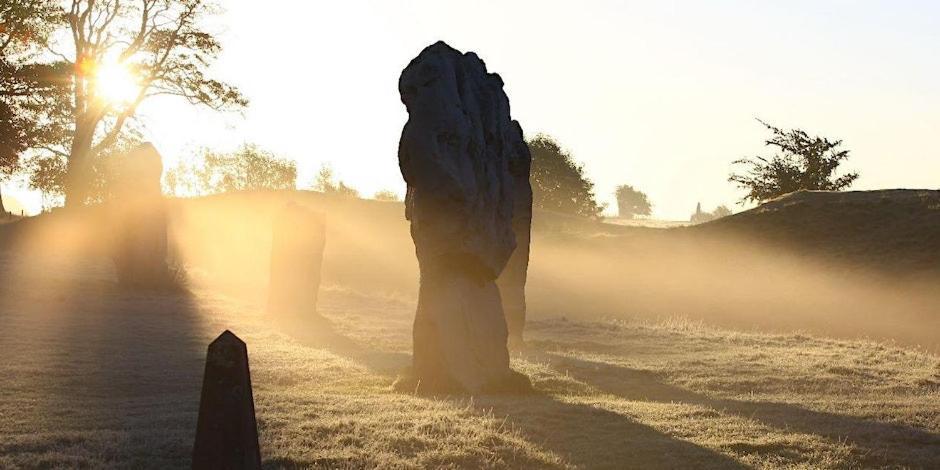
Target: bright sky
column 658, row 94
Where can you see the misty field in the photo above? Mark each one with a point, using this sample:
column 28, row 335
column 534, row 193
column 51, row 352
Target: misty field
column 93, row 376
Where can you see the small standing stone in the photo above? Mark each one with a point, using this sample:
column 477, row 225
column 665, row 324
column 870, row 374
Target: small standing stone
column 226, row 433
column 298, row 239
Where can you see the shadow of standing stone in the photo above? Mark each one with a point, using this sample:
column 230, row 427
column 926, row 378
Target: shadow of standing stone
column 296, row 262
column 226, row 433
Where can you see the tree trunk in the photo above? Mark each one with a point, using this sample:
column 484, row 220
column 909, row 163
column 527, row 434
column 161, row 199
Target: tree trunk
column 3, row 210
column 78, row 176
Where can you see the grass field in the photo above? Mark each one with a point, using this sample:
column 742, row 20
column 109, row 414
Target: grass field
column 92, row 376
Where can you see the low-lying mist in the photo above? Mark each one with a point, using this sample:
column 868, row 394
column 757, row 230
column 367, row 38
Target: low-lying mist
column 577, row 270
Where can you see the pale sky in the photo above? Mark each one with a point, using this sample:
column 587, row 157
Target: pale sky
column 657, row 94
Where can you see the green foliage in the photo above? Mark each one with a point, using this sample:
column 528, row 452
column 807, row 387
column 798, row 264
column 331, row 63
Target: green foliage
column 632, row 202
column 386, row 195
column 326, row 183
column 25, row 88
column 721, row 211
column 246, row 169
column 558, row 182
column 700, row 216
column 803, row 162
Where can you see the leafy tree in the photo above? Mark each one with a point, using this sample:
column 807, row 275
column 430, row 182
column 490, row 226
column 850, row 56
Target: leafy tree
column 721, row 211
column 326, row 183
column 247, row 169
column 25, row 88
column 386, row 195
column 159, row 45
column 632, row 202
column 802, row 162
column 558, row 182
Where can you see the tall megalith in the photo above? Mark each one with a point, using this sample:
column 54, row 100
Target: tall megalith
column 457, row 154
column 139, row 219
column 512, row 280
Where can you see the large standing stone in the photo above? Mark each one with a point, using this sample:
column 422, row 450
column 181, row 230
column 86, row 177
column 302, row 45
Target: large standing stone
column 455, row 154
column 226, row 433
column 513, row 278
column 139, row 214
column 296, row 261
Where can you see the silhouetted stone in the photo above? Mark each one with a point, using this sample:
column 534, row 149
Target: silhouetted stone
column 296, row 261
column 226, row 433
column 512, row 280
column 139, row 214
column 455, row 153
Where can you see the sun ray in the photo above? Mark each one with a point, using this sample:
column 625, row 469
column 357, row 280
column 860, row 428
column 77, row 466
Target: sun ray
column 116, row 83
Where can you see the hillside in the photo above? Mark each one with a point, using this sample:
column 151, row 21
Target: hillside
column 897, row 230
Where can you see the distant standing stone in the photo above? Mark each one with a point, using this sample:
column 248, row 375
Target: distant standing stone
column 298, row 239
column 139, row 219
column 455, row 154
column 226, row 433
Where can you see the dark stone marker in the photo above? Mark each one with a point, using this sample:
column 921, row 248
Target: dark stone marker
column 226, row 434
column 296, row 262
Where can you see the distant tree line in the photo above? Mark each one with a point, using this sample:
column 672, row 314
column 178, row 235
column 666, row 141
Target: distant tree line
column 632, row 202
column 700, row 216
column 247, row 168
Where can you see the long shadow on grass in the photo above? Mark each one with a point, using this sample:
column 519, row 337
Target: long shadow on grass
column 98, row 376
column 592, row 437
column 881, row 443
column 321, row 334
column 583, row 435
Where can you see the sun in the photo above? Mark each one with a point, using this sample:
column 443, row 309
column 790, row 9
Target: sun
column 115, row 83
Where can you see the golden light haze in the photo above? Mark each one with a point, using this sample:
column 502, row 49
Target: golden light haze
column 659, row 95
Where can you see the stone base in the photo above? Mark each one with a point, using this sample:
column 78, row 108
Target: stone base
column 516, row 343
column 512, row 383
column 459, row 331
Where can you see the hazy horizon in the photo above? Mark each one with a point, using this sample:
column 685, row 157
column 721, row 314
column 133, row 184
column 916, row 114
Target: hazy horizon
column 660, row 95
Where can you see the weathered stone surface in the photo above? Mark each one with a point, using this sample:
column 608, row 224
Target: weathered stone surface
column 455, row 154
column 226, row 433
column 299, row 236
column 139, row 215
column 512, row 280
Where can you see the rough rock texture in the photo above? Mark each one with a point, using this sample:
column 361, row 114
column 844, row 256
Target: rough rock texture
column 139, row 219
column 512, row 280
column 456, row 154
column 227, row 431
column 299, row 236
